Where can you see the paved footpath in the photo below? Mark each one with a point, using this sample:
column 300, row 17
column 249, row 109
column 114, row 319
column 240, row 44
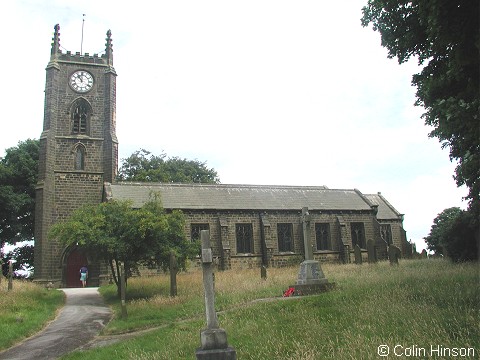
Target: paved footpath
column 78, row 322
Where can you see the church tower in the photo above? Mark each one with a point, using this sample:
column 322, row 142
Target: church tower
column 78, row 154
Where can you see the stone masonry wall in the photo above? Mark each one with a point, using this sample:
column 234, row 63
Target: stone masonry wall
column 279, row 259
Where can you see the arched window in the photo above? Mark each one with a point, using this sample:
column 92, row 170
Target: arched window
column 386, row 233
column 285, row 237
column 358, row 235
column 244, row 233
column 79, row 154
column 80, row 114
column 322, row 234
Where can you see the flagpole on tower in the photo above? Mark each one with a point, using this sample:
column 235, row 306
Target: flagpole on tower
column 81, row 44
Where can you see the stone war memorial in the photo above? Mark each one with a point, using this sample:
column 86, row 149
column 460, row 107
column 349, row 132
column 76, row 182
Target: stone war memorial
column 250, row 226
column 311, row 279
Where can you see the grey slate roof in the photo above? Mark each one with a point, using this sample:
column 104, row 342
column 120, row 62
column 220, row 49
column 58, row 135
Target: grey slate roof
column 385, row 210
column 239, row 197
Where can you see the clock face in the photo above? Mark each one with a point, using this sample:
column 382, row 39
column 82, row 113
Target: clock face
column 81, row 81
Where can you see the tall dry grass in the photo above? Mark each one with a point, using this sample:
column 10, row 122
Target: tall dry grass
column 418, row 303
column 25, row 309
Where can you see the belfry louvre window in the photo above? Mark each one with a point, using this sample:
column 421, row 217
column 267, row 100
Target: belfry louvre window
column 386, row 233
column 244, row 237
column 80, row 117
column 285, row 237
column 196, row 229
column 358, row 235
column 322, row 235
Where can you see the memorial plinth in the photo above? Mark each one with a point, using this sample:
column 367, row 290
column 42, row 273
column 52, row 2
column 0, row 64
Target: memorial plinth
column 311, row 279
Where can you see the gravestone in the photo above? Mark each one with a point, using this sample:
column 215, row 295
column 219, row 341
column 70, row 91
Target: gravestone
column 263, row 272
column 424, row 254
column 358, row 254
column 311, row 279
column 372, row 255
column 394, row 254
column 213, row 339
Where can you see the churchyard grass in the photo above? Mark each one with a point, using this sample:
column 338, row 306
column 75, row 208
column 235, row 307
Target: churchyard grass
column 410, row 307
column 25, row 310
column 149, row 303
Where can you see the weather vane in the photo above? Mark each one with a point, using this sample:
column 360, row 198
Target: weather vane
column 81, row 44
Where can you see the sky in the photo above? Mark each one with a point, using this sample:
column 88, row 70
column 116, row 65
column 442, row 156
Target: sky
column 265, row 92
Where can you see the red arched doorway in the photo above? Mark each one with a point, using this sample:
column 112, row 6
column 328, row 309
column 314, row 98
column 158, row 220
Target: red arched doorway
column 75, row 261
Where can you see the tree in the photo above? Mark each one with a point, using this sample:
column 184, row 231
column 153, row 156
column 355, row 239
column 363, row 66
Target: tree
column 18, row 178
column 444, row 37
column 441, row 225
column 143, row 166
column 23, row 261
column 460, row 243
column 453, row 234
column 117, row 233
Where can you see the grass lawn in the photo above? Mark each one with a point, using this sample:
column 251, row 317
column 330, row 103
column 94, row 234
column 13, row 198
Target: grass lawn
column 421, row 308
column 25, row 310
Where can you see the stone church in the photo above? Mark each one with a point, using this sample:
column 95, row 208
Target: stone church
column 250, row 225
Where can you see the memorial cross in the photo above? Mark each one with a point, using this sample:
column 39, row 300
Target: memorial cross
column 208, row 281
column 306, row 218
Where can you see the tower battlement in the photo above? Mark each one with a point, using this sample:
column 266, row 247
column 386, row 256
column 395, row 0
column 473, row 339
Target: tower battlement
column 82, row 58
column 56, row 54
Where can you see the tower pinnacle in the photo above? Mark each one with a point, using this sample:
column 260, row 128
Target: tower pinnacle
column 109, row 48
column 56, row 43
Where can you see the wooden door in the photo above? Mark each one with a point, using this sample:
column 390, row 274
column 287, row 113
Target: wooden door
column 75, row 261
